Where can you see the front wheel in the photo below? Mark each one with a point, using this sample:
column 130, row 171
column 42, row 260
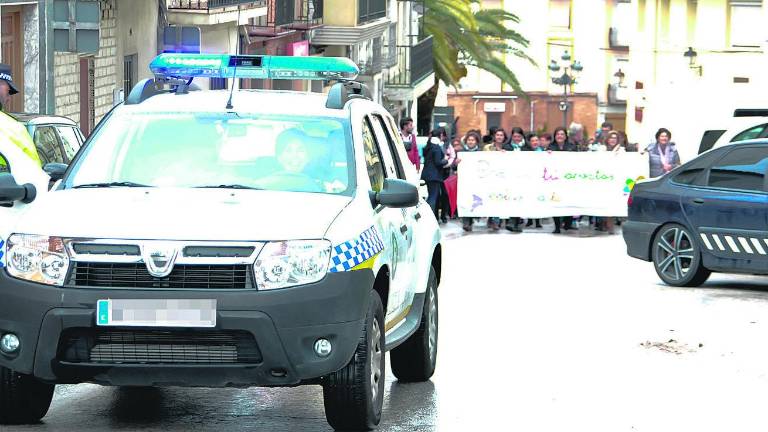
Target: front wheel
column 354, row 395
column 677, row 257
column 23, row 399
column 415, row 360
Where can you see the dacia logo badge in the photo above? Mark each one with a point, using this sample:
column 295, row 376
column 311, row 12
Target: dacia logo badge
column 159, row 258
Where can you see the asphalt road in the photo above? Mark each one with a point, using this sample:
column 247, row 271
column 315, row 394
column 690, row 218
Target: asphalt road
column 537, row 333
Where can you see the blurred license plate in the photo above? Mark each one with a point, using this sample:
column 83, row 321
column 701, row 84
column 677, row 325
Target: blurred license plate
column 156, row 313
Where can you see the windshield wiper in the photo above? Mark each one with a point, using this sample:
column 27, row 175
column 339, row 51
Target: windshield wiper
column 110, row 184
column 228, row 186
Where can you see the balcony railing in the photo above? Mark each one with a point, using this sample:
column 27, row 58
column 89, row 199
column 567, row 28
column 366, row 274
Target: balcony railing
column 390, row 50
column 369, row 10
column 206, row 5
column 414, row 63
column 373, row 64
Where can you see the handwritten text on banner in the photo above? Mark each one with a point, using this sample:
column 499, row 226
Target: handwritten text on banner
column 539, row 184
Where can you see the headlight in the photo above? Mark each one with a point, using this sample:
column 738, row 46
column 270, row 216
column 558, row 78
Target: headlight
column 37, row 258
column 290, row 263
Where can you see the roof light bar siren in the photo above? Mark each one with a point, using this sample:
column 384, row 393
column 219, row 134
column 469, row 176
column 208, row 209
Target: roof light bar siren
column 249, row 66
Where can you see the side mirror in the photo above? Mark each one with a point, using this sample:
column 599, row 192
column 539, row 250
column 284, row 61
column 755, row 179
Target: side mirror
column 55, row 170
column 398, row 194
column 10, row 191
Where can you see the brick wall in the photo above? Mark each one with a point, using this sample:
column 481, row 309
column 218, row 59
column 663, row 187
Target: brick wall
column 66, row 76
column 66, row 72
column 105, row 73
column 517, row 112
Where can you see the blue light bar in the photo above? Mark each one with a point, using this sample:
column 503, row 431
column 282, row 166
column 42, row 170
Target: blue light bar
column 259, row 67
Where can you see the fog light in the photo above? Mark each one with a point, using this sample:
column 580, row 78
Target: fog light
column 10, row 343
column 323, row 347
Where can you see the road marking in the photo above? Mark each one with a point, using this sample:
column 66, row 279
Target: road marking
column 719, row 243
column 745, row 245
column 706, row 241
column 732, row 244
column 758, row 246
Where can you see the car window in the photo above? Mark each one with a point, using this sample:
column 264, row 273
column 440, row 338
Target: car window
column 392, row 142
column 751, row 133
column 373, row 159
column 69, row 141
column 694, row 177
column 48, row 145
column 385, row 147
column 742, row 168
column 5, row 166
column 191, row 150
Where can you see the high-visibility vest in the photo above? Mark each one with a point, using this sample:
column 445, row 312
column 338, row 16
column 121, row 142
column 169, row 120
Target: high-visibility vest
column 17, row 134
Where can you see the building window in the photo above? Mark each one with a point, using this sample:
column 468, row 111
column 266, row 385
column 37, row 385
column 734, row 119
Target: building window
column 130, row 72
column 641, row 8
column 560, row 14
column 745, row 17
column 691, row 11
column 219, row 84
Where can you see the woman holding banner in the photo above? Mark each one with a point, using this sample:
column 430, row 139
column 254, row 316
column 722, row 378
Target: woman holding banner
column 471, row 144
column 561, row 143
column 516, row 143
column 499, row 139
column 662, row 155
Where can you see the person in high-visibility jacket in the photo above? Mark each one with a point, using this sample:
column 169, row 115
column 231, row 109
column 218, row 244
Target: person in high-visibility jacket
column 10, row 129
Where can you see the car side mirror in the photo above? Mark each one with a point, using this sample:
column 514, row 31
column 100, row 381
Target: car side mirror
column 10, row 191
column 55, row 170
column 398, row 194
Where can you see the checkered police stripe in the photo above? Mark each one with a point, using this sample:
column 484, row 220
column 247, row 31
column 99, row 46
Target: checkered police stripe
column 2, row 252
column 5, row 76
column 351, row 254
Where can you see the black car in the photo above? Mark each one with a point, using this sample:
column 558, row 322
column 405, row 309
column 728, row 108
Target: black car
column 709, row 215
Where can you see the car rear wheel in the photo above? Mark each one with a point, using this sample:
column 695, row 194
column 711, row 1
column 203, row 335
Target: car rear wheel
column 416, row 358
column 354, row 395
column 23, row 399
column 677, row 257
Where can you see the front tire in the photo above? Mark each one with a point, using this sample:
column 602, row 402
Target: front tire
column 415, row 360
column 23, row 399
column 354, row 395
column 677, row 257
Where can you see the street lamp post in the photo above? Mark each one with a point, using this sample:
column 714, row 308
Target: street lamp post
column 571, row 69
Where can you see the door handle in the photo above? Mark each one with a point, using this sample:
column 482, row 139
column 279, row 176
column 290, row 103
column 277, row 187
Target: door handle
column 403, row 229
column 417, row 216
column 698, row 201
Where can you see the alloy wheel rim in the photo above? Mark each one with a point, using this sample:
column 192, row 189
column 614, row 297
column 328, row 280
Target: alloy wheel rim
column 432, row 325
column 375, row 356
column 674, row 253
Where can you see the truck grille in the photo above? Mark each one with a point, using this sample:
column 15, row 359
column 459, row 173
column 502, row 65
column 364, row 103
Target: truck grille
column 111, row 346
column 135, row 275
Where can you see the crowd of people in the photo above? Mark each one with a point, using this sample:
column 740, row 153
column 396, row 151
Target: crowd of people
column 442, row 156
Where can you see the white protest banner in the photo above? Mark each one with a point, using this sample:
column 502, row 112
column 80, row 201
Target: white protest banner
column 544, row 184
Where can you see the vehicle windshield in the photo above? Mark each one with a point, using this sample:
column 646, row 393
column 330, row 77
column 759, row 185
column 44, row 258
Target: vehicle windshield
column 210, row 150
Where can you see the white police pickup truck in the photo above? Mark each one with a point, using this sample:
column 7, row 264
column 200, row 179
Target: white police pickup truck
column 209, row 238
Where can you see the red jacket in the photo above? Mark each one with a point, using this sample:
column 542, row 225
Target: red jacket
column 413, row 152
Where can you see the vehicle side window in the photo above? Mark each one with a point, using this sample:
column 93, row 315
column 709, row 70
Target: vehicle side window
column 751, row 133
column 742, row 169
column 69, row 141
column 385, row 146
column 48, row 145
column 5, row 166
column 393, row 141
column 693, row 177
column 373, row 159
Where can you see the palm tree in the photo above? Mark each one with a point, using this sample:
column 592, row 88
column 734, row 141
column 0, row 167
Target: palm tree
column 464, row 34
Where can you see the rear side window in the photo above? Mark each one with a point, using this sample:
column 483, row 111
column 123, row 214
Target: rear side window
column 47, row 144
column 742, row 169
column 694, row 177
column 751, row 133
column 709, row 139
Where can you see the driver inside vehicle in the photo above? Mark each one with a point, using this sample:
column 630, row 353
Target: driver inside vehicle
column 293, row 156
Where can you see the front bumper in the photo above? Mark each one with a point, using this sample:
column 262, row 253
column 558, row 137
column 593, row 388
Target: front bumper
column 284, row 323
column 638, row 237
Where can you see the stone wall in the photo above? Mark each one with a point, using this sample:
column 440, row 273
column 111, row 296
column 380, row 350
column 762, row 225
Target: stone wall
column 66, row 78
column 105, row 73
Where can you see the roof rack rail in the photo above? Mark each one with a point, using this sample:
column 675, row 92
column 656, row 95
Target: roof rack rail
column 149, row 87
column 344, row 91
column 750, row 112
